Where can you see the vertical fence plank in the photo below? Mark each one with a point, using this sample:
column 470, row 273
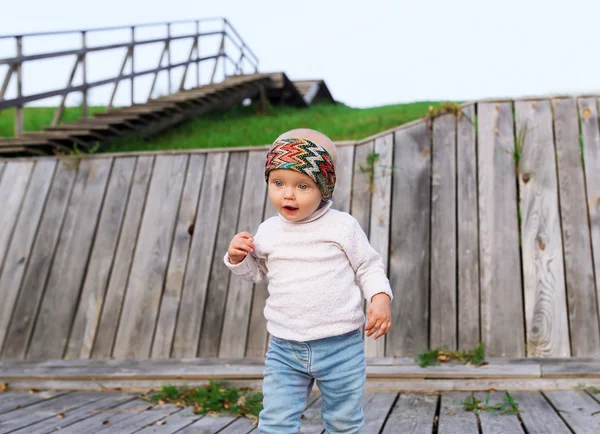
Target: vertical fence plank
column 579, row 268
column 239, row 298
column 591, row 156
column 380, row 219
column 409, row 241
column 40, row 262
column 214, row 312
column 19, row 250
column 146, row 279
column 501, row 290
column 187, row 332
column 59, row 303
column 360, row 200
column 101, row 344
column 101, row 259
column 543, row 267
column 443, row 234
column 468, row 242
column 257, row 334
column 12, row 191
column 184, row 229
column 343, row 173
column 361, row 187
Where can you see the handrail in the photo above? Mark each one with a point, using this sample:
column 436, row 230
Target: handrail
column 110, row 28
column 240, row 56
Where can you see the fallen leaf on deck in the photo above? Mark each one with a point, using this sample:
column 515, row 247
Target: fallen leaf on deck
column 60, row 415
column 106, row 422
column 161, row 422
column 4, row 387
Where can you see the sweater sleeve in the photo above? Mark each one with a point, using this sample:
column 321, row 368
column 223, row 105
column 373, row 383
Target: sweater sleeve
column 251, row 268
column 365, row 261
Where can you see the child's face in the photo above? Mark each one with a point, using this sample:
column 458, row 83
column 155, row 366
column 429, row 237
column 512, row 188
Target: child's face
column 294, row 195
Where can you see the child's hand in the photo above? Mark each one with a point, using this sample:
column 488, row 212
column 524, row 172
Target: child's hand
column 379, row 316
column 240, row 246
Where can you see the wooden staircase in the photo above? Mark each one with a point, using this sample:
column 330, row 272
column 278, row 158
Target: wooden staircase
column 161, row 113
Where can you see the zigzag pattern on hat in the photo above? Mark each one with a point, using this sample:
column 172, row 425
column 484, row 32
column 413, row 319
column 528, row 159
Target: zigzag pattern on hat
column 306, row 157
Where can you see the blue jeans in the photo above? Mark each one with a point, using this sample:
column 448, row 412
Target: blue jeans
column 339, row 367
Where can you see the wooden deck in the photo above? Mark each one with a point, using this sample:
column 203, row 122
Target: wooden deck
column 561, row 412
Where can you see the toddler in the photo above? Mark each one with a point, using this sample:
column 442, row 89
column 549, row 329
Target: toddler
column 313, row 257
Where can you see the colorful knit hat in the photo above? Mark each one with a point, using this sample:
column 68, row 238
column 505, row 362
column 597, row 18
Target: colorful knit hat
column 306, row 157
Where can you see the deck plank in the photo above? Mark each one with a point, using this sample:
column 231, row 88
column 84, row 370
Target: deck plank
column 208, row 425
column 590, row 134
column 343, row 173
column 105, row 333
column 501, row 288
column 172, row 423
column 379, row 233
column 498, row 423
column 409, row 242
column 413, row 413
column 376, row 406
column 43, row 410
column 39, row 265
column 142, row 419
column 542, row 246
column 453, row 419
column 104, row 418
column 148, row 269
column 442, row 311
column 218, row 283
column 537, row 414
column 101, row 260
column 579, row 267
column 17, row 255
column 241, row 426
column 75, row 415
column 193, row 299
column 14, row 401
column 468, row 224
column 577, row 409
column 169, row 307
column 239, row 299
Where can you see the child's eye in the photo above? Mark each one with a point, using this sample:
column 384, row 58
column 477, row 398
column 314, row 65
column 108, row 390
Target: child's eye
column 278, row 183
column 303, row 187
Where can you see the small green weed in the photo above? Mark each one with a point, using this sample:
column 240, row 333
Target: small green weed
column 369, row 168
column 590, row 389
column 475, row 356
column 508, row 406
column 216, row 397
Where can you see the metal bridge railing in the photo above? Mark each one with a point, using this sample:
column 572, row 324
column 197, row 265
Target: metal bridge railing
column 232, row 49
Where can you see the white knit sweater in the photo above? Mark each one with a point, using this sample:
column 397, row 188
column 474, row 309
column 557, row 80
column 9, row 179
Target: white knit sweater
column 313, row 267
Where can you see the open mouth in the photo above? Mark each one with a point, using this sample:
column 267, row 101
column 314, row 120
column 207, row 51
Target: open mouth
column 290, row 209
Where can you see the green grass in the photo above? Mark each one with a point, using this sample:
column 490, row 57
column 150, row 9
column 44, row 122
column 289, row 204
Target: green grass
column 36, row 118
column 243, row 126
column 474, row 356
column 216, row 397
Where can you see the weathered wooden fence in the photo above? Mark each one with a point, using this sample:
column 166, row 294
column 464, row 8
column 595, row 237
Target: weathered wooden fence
column 488, row 223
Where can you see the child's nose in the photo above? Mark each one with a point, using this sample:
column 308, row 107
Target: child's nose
column 289, row 193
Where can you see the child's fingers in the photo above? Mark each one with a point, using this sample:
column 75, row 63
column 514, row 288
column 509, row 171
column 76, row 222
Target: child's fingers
column 245, row 235
column 243, row 246
column 375, row 327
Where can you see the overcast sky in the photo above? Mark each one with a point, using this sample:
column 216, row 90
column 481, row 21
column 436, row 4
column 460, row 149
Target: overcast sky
column 376, row 52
